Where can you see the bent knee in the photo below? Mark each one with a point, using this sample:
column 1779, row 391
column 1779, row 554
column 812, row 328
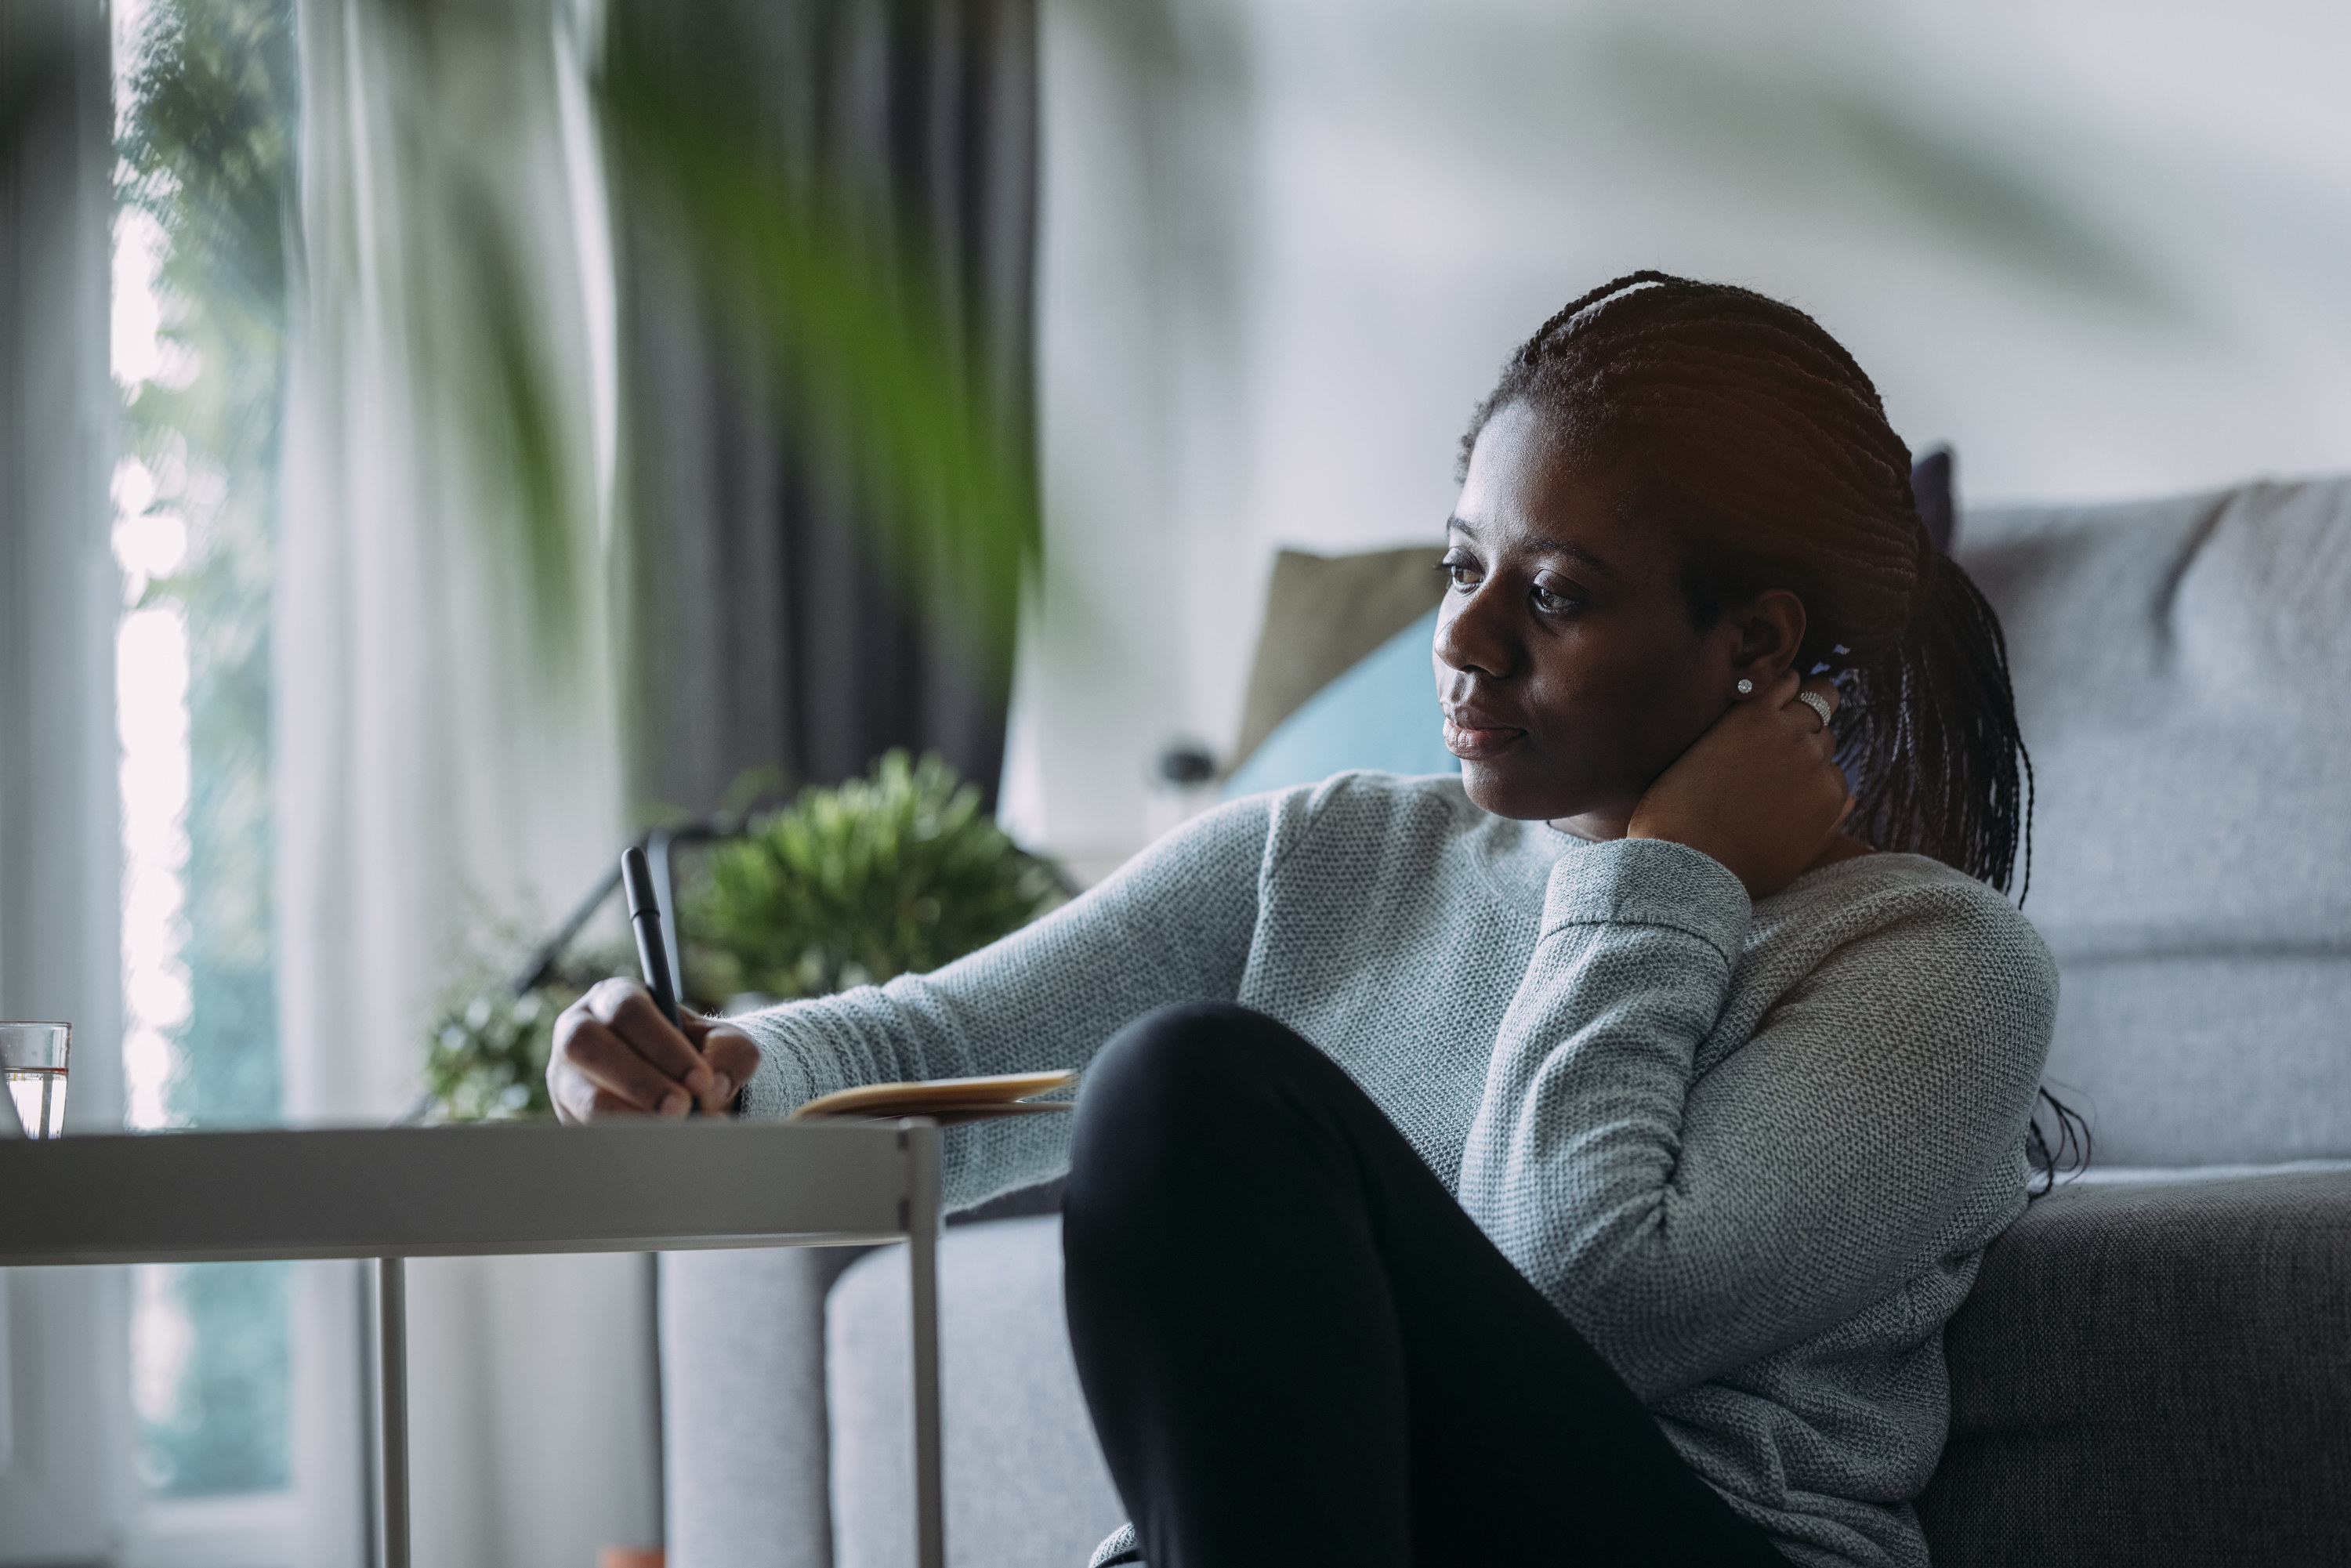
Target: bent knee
column 1167, row 1110
column 1172, row 1060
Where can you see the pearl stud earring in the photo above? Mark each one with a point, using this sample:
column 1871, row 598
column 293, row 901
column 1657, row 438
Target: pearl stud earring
column 1746, row 688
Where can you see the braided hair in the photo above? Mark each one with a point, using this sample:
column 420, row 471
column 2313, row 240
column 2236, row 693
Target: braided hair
column 1739, row 424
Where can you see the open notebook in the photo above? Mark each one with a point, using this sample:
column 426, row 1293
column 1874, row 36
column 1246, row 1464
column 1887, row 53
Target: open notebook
column 944, row 1100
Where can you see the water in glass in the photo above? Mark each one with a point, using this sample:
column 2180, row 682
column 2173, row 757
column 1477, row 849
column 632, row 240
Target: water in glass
column 33, row 1058
column 40, row 1096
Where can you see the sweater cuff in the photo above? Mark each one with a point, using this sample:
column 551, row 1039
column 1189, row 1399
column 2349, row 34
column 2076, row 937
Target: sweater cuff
column 1649, row 882
column 785, row 1079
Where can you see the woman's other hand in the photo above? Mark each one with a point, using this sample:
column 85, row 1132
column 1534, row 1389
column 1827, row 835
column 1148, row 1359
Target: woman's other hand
column 1759, row 791
column 615, row 1055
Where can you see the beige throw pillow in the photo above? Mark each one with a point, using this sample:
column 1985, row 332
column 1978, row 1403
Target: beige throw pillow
column 1323, row 613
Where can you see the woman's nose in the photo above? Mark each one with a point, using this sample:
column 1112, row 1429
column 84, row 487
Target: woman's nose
column 1469, row 636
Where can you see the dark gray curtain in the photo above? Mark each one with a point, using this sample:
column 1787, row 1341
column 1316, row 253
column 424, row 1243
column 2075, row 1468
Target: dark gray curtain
column 762, row 626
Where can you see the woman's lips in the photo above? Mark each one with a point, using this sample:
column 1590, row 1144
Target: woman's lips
column 1477, row 743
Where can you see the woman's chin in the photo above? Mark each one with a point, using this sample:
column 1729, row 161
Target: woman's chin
column 1497, row 786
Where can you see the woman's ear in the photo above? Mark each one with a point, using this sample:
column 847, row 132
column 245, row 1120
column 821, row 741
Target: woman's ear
column 1769, row 629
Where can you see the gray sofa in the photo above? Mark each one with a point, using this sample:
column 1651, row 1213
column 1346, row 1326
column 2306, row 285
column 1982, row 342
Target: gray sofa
column 2155, row 1368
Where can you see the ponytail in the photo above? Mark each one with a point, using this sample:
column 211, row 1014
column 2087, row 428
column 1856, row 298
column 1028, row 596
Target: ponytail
column 1930, row 731
column 1930, row 736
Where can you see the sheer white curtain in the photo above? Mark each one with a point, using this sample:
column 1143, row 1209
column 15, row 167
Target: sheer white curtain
column 63, row 1399
column 437, row 765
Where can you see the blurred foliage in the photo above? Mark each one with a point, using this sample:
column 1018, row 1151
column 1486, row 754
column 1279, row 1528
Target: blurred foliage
column 488, row 1059
column 207, row 151
column 488, row 1045
column 512, row 403
column 463, row 226
column 891, row 874
column 207, row 148
column 840, row 300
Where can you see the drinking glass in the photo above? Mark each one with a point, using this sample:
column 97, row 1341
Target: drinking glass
column 33, row 1057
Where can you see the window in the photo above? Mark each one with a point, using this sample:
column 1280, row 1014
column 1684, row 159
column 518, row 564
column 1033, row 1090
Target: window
column 206, row 204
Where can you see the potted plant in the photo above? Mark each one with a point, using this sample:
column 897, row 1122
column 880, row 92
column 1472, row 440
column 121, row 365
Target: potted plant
column 894, row 873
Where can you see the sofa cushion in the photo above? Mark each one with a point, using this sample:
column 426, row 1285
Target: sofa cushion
column 743, row 1429
column 2206, row 1058
column 1323, row 616
column 1934, row 489
column 2156, row 1374
column 2179, row 669
column 1382, row 714
column 1025, row 1481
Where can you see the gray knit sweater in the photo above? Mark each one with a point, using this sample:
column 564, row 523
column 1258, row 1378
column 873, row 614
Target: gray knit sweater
column 1752, row 1152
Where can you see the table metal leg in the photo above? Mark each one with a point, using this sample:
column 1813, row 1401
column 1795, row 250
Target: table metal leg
column 391, row 1408
column 923, row 1276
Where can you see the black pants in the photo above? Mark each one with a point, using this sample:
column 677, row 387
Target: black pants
column 1299, row 1350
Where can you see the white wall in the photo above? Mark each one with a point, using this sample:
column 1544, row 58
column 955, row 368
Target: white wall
column 2100, row 247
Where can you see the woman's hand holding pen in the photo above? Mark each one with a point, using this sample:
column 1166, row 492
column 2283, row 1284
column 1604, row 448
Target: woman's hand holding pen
column 616, row 1055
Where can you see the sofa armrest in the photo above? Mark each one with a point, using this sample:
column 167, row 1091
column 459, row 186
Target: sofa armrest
column 1025, row 1484
column 746, row 1447
column 745, row 1476
column 2152, row 1375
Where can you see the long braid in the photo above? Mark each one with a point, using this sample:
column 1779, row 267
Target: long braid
column 1740, row 425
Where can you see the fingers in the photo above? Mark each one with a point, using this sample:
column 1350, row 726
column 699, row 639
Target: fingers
column 1800, row 710
column 1828, row 785
column 1798, row 703
column 614, row 1050
column 629, row 1011
column 570, row 1094
column 732, row 1057
column 616, row 1055
column 578, row 1099
column 607, row 1104
column 573, row 1095
column 609, row 1065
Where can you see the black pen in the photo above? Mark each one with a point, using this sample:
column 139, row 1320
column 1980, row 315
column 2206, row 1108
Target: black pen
column 645, row 919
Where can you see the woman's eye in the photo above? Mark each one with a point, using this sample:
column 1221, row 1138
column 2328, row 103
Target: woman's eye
column 1552, row 601
column 1460, row 573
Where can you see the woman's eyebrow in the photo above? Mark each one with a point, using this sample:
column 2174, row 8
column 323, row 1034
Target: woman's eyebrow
column 1556, row 546
column 1570, row 549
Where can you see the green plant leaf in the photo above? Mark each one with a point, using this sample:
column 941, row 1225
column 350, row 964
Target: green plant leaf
column 891, row 874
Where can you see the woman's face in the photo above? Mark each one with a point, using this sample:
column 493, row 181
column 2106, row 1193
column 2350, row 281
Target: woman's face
column 1568, row 664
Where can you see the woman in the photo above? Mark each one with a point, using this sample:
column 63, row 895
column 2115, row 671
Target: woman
column 1577, row 1161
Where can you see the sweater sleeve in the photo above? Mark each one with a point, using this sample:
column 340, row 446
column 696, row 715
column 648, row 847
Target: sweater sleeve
column 1174, row 925
column 1688, row 1227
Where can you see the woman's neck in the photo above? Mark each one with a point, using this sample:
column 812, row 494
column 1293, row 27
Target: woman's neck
column 1598, row 828
column 1593, row 827
column 1841, row 846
